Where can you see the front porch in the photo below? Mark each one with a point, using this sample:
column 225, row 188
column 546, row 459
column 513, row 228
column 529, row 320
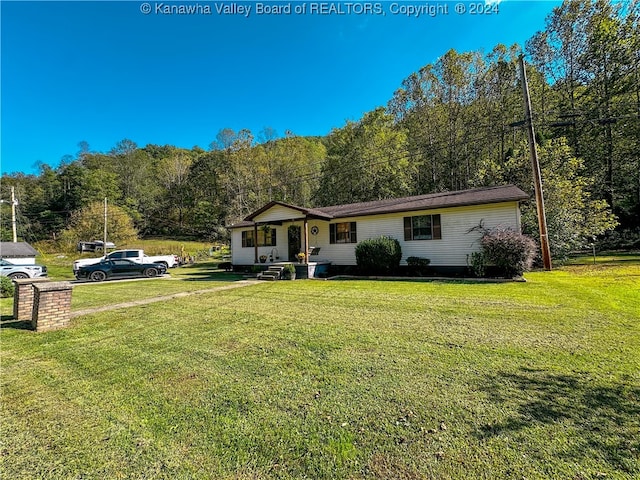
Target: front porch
column 318, row 269
column 281, row 234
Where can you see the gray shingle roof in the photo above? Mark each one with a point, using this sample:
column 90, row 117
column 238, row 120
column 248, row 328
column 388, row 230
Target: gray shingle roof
column 478, row 196
column 431, row 201
column 17, row 250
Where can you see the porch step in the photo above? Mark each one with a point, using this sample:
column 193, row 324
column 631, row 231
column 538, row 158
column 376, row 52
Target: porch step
column 270, row 275
column 273, row 273
column 270, row 278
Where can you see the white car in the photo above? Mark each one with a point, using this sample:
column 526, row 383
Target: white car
column 14, row 271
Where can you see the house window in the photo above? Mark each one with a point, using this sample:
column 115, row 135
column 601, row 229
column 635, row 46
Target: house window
column 247, row 239
column 265, row 239
column 422, row 227
column 343, row 232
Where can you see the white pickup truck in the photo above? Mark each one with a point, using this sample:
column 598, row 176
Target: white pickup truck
column 137, row 256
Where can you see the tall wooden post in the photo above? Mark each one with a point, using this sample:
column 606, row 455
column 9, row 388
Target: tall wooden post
column 104, row 245
column 535, row 166
column 255, row 242
column 306, row 240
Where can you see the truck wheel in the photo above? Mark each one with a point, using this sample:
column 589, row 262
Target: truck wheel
column 98, row 276
column 151, row 272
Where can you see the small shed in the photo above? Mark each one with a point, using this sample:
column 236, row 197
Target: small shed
column 20, row 253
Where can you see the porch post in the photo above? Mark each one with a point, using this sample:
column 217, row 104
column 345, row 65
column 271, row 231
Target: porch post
column 255, row 241
column 306, row 240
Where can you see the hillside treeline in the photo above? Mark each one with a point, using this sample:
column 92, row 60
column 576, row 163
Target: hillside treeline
column 453, row 124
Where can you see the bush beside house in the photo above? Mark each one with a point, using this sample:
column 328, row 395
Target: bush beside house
column 418, row 265
column 378, row 256
column 511, row 252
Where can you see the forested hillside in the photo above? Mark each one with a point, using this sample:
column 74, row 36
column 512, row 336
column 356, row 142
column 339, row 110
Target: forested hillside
column 453, row 124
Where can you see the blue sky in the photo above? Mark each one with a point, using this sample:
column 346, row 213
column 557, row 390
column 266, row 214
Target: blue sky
column 103, row 71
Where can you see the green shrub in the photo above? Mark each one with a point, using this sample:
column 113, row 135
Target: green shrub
column 378, row 256
column 289, row 271
column 418, row 265
column 511, row 252
column 478, row 263
column 623, row 239
column 6, row 287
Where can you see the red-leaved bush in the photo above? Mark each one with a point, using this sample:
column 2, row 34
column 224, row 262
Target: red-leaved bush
column 511, row 252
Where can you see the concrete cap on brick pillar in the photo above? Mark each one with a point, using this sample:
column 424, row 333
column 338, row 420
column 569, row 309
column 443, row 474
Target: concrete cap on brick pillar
column 52, row 286
column 27, row 281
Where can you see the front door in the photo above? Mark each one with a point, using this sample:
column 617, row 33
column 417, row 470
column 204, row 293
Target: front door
column 294, row 239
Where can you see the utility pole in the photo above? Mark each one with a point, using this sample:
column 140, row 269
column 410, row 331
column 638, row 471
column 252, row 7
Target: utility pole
column 14, row 202
column 104, row 245
column 13, row 215
column 535, row 166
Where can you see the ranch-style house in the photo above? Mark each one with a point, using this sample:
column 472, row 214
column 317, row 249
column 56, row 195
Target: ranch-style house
column 435, row 226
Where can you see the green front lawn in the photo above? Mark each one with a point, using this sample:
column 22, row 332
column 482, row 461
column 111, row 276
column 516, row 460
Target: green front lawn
column 89, row 295
column 189, row 278
column 337, row 379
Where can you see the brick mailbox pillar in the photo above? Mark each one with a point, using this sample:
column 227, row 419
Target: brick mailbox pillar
column 23, row 297
column 51, row 306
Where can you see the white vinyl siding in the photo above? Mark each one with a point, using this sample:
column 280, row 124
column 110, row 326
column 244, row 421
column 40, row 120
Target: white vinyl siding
column 21, row 260
column 451, row 250
column 245, row 255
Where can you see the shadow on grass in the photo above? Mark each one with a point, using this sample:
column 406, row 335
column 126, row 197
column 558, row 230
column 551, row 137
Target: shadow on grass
column 605, row 258
column 607, row 416
column 7, row 321
column 452, row 280
column 201, row 276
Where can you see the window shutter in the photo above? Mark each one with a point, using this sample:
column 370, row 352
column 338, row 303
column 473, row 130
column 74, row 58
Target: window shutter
column 273, row 237
column 407, row 229
column 353, row 238
column 332, row 233
column 244, row 239
column 436, row 228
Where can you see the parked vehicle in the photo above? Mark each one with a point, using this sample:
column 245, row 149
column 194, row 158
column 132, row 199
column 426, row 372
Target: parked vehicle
column 94, row 246
column 15, row 272
column 119, row 268
column 134, row 255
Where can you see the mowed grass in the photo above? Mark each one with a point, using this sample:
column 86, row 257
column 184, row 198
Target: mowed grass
column 338, row 379
column 191, row 278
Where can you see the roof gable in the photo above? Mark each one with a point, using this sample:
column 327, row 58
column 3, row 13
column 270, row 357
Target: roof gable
column 279, row 211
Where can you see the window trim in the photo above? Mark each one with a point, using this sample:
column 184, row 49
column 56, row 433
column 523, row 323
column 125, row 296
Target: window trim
column 333, row 233
column 436, row 228
column 248, row 240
